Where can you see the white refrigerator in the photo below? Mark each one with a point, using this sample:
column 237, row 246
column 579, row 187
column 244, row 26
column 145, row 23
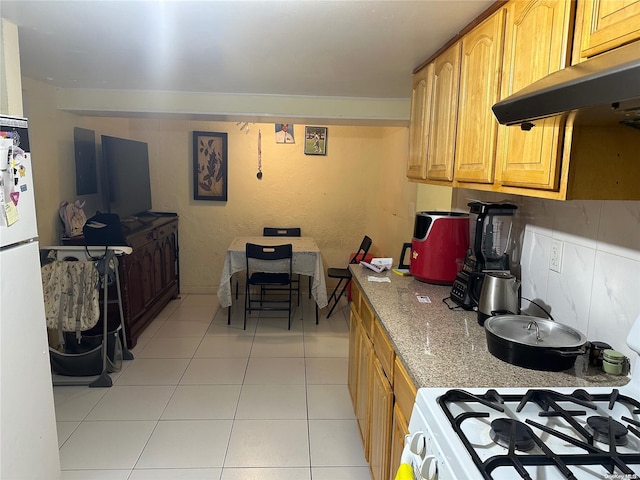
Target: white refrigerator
column 28, row 437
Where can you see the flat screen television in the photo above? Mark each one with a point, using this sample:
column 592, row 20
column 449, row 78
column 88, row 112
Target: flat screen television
column 128, row 185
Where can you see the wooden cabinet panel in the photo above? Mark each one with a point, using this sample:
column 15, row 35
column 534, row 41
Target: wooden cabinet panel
column 363, row 383
column 536, row 44
column 609, row 24
column 356, row 295
column 352, row 369
column 168, row 258
column 443, row 115
column 418, row 125
column 384, row 350
column 399, row 429
column 477, row 129
column 149, row 276
column 366, row 315
column 404, row 389
column 381, row 418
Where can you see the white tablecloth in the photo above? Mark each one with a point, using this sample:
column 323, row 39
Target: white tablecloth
column 306, row 261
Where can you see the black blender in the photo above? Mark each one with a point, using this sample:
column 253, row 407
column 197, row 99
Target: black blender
column 490, row 234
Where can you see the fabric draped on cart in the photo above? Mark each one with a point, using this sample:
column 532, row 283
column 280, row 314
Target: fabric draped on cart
column 71, row 295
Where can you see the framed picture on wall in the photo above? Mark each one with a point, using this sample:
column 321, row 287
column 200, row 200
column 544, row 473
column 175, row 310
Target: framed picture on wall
column 210, row 166
column 284, row 133
column 315, row 140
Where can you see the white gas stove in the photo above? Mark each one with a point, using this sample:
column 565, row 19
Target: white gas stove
column 512, row 433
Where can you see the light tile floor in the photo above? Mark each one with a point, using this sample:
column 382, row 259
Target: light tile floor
column 203, row 400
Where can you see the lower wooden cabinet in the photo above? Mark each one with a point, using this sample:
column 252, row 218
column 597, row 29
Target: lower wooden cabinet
column 380, row 389
column 399, row 429
column 404, row 396
column 149, row 276
column 352, row 369
column 380, row 423
column 363, row 389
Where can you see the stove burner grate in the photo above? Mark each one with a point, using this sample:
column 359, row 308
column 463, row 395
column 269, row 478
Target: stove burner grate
column 611, row 459
column 602, row 427
column 507, row 432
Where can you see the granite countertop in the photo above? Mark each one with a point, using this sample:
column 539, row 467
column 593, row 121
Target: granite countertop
column 440, row 347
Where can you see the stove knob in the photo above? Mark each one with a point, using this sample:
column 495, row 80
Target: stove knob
column 429, row 468
column 417, row 443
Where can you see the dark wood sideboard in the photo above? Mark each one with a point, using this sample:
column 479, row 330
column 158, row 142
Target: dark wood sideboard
column 149, row 276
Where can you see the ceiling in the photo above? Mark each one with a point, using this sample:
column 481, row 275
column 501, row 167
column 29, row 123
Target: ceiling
column 362, row 49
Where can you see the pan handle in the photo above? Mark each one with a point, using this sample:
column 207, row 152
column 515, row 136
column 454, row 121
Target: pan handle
column 568, row 353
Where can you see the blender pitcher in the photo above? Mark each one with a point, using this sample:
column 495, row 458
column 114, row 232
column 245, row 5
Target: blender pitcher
column 491, row 234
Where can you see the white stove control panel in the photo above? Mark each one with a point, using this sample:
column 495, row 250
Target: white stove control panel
column 422, row 452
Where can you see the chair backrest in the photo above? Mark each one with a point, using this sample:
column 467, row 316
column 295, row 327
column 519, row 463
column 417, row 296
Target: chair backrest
column 282, row 232
column 268, row 252
column 362, row 251
column 257, row 255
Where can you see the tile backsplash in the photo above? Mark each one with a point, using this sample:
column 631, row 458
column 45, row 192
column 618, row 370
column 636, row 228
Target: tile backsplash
column 597, row 290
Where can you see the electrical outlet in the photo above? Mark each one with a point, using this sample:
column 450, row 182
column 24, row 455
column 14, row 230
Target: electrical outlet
column 555, row 260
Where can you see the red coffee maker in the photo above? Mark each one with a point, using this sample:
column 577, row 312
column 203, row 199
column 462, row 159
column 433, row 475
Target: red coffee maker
column 440, row 242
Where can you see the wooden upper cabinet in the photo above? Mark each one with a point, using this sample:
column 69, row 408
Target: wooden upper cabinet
column 443, row 115
column 418, row 133
column 609, row 24
column 480, row 68
column 537, row 42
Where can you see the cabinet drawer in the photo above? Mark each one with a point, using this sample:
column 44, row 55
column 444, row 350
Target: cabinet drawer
column 140, row 239
column 384, row 350
column 403, row 389
column 166, row 230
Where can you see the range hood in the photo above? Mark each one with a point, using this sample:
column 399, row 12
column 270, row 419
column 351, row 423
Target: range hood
column 602, row 90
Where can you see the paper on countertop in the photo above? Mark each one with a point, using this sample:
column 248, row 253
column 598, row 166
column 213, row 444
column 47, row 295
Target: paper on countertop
column 373, row 278
column 375, row 268
column 383, row 262
column 378, row 264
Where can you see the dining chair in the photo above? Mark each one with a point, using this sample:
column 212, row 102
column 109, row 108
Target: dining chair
column 283, row 232
column 344, row 275
column 257, row 255
column 288, row 232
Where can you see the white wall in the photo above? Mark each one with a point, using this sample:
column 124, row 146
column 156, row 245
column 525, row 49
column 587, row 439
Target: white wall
column 598, row 288
column 359, row 187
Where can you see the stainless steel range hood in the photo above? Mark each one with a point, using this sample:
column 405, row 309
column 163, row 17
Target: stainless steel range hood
column 602, row 90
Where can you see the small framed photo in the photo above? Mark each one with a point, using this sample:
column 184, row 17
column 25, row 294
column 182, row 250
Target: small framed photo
column 315, row 140
column 210, row 166
column 284, row 133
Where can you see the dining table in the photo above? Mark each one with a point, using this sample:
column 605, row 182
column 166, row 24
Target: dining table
column 306, row 261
